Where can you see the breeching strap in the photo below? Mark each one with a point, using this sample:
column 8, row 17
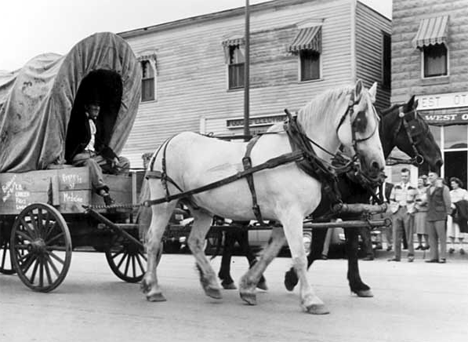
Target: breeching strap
column 269, row 164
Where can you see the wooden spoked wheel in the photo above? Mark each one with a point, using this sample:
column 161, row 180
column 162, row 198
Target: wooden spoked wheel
column 6, row 263
column 127, row 259
column 41, row 247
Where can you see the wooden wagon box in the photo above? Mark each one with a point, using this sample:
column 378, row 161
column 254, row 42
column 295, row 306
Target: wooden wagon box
column 67, row 189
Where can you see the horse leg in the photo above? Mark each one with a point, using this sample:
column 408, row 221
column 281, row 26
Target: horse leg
column 159, row 219
column 293, row 229
column 352, row 246
column 318, row 239
column 249, row 281
column 225, row 270
column 242, row 238
column 201, row 226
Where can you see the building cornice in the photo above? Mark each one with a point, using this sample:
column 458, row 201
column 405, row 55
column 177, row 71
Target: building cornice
column 235, row 12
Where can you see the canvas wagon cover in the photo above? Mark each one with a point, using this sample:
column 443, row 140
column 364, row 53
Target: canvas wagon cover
column 36, row 101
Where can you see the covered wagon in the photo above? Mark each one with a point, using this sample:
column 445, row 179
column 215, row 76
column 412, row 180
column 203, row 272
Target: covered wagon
column 44, row 198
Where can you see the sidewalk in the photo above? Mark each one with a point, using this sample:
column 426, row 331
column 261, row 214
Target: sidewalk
column 423, row 255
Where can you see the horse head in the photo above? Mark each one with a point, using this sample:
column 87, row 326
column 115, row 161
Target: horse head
column 357, row 130
column 402, row 126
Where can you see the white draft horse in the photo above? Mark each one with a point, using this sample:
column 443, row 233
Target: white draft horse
column 285, row 193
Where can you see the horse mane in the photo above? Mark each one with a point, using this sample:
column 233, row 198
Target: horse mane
column 390, row 109
column 317, row 109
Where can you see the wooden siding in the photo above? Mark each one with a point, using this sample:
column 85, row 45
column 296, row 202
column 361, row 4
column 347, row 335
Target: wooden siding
column 406, row 60
column 192, row 74
column 370, row 26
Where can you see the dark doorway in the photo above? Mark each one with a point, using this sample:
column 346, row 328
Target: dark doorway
column 455, row 164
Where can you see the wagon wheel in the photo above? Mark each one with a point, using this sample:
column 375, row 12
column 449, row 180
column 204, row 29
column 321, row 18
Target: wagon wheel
column 41, row 247
column 6, row 264
column 127, row 259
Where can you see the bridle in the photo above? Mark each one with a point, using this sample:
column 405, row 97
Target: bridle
column 418, row 158
column 341, row 163
column 350, row 110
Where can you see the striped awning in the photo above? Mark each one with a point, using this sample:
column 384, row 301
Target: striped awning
column 431, row 31
column 309, row 38
column 233, row 41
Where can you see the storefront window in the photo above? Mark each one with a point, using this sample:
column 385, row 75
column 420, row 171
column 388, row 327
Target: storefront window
column 455, row 137
column 435, row 130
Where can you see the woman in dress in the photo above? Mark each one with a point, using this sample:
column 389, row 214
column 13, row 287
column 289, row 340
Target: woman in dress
column 453, row 229
column 420, row 215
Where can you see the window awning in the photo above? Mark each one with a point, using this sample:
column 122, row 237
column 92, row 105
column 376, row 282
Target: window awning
column 309, row 38
column 233, row 41
column 431, row 31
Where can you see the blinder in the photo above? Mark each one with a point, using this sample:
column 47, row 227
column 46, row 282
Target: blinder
column 359, row 123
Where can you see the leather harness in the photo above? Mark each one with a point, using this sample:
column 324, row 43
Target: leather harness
column 302, row 154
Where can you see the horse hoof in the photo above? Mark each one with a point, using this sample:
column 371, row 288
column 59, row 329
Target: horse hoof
column 156, row 297
column 249, row 298
column 290, row 280
column 213, row 293
column 364, row 293
column 229, row 286
column 317, row 309
column 145, row 287
column 262, row 285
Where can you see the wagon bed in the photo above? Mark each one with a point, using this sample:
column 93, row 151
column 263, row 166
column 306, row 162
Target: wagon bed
column 43, row 218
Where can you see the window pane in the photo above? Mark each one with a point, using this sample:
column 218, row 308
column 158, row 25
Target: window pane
column 310, row 65
column 146, row 70
column 435, row 130
column 236, row 76
column 147, row 89
column 435, row 60
column 455, row 137
column 236, row 55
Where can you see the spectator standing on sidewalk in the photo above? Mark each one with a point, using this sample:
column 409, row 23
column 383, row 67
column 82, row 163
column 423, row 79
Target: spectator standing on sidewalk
column 402, row 200
column 420, row 215
column 457, row 194
column 387, row 232
column 438, row 208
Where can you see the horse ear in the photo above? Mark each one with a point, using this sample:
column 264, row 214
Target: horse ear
column 373, row 92
column 411, row 103
column 357, row 90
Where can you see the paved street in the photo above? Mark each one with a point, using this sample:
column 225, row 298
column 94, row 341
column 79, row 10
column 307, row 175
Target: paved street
column 413, row 302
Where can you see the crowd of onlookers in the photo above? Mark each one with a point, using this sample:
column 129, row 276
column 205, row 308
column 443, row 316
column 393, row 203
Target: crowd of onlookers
column 429, row 211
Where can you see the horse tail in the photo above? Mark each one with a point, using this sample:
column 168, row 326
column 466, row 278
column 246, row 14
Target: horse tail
column 144, row 213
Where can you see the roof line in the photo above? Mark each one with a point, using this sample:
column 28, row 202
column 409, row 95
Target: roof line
column 209, row 17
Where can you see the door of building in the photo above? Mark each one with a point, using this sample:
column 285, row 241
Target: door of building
column 455, row 165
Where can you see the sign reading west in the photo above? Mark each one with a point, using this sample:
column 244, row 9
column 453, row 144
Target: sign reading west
column 444, row 109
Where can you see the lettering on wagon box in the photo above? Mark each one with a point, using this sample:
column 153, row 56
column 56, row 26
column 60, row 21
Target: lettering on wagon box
column 72, row 197
column 71, row 180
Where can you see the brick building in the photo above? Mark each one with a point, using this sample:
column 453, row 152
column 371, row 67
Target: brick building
column 430, row 60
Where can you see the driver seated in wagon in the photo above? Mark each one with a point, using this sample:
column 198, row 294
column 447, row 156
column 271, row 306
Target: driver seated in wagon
column 92, row 152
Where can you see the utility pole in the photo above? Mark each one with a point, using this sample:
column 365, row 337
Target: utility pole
column 247, row 73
